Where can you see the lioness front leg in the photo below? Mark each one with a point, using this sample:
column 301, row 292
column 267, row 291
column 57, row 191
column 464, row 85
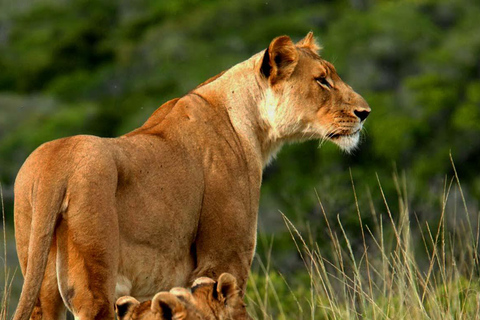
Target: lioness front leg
column 213, row 263
column 226, row 236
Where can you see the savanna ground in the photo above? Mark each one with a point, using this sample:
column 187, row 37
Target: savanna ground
column 402, row 269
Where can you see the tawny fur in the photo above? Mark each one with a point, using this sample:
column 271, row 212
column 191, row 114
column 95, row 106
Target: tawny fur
column 177, row 198
column 207, row 300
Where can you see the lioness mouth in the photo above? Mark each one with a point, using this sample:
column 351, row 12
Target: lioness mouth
column 334, row 136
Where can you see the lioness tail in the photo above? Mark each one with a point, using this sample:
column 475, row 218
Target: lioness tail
column 46, row 209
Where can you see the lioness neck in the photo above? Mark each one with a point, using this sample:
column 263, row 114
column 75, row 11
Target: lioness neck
column 243, row 93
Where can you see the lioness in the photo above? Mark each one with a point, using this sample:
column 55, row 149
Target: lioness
column 177, row 198
column 207, row 299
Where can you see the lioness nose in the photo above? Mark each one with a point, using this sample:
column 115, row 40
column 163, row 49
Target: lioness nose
column 362, row 114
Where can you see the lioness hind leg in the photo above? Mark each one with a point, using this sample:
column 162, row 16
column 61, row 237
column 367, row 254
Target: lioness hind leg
column 87, row 264
column 49, row 304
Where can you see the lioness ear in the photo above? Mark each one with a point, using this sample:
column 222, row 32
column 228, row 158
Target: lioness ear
column 279, row 59
column 168, row 306
column 309, row 42
column 227, row 287
column 124, row 307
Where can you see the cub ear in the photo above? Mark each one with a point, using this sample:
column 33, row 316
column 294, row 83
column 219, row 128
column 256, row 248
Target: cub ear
column 227, row 288
column 125, row 306
column 182, row 293
column 279, row 59
column 168, row 306
column 202, row 280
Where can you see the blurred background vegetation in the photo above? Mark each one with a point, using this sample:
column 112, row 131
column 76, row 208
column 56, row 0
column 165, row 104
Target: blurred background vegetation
column 102, row 67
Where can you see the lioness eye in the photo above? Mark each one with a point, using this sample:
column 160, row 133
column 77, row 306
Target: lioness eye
column 324, row 82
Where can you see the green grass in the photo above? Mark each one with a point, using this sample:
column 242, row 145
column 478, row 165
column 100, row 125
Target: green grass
column 405, row 268
column 7, row 276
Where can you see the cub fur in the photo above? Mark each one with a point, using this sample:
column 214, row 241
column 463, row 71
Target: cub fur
column 207, row 299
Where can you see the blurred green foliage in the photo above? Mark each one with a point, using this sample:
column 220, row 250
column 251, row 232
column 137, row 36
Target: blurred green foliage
column 102, row 67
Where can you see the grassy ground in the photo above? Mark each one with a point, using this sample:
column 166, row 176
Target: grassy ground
column 405, row 268
column 7, row 269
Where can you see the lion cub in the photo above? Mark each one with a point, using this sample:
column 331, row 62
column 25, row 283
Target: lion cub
column 206, row 300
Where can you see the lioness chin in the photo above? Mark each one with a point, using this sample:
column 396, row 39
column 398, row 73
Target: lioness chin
column 177, row 198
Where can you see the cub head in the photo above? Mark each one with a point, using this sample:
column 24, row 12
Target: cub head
column 163, row 306
column 207, row 300
column 220, row 299
column 305, row 97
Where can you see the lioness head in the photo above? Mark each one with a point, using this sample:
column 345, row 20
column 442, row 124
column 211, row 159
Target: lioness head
column 305, row 97
column 207, row 299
